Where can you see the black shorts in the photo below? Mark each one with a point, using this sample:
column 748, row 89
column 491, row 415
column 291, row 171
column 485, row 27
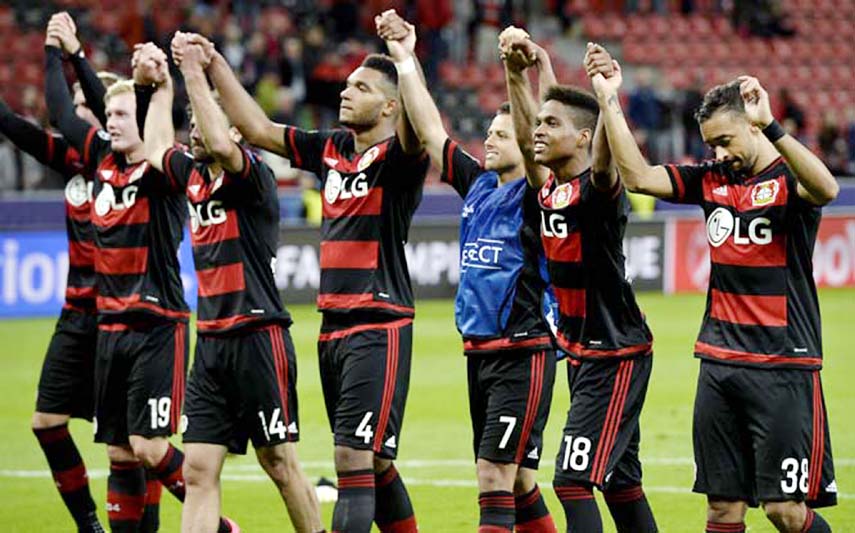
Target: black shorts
column 365, row 374
column 509, row 399
column 600, row 441
column 139, row 380
column 243, row 386
column 68, row 372
column 761, row 435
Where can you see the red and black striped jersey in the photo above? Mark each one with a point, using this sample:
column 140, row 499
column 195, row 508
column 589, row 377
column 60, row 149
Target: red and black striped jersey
column 762, row 307
column 582, row 229
column 55, row 153
column 138, row 216
column 234, row 227
column 368, row 203
column 80, row 289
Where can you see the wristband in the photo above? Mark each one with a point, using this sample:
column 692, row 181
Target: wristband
column 406, row 66
column 774, row 131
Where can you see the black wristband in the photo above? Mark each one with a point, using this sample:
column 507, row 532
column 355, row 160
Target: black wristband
column 774, row 131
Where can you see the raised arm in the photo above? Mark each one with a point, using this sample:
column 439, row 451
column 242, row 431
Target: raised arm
column 242, row 110
column 150, row 69
column 603, row 173
column 209, row 117
column 517, row 54
column 422, row 111
column 40, row 144
column 92, row 87
column 816, row 184
column 634, row 171
column 58, row 98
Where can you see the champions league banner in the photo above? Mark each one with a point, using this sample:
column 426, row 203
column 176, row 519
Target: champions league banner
column 668, row 254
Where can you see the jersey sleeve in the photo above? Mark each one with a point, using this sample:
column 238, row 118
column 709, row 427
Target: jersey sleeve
column 177, row 165
column 257, row 175
column 687, row 183
column 48, row 149
column 305, row 148
column 459, row 169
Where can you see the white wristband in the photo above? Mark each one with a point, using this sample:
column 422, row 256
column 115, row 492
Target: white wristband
column 406, row 66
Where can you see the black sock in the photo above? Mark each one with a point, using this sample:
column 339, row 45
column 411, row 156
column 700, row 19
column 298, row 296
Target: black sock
column 580, row 508
column 497, row 511
column 354, row 510
column 150, row 522
column 720, row 527
column 532, row 516
column 168, row 471
column 630, row 510
column 393, row 511
column 69, row 475
column 125, row 496
column 815, row 523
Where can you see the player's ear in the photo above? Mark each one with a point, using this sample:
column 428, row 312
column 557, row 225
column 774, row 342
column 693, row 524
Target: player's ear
column 391, row 108
column 584, row 138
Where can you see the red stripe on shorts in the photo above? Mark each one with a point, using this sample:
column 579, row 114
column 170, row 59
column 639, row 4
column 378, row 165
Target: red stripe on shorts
column 388, row 385
column 612, row 423
column 533, row 403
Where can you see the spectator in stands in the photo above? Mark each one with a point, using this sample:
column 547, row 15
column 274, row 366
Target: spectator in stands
column 790, row 110
column 645, row 112
column 656, row 6
column 850, row 139
column 489, row 17
column 692, row 98
column 431, row 17
column 832, row 144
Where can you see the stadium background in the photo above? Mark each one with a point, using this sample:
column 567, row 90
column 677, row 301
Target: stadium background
column 293, row 55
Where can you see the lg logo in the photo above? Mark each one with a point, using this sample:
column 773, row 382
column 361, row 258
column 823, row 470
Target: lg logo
column 107, row 200
column 553, row 226
column 721, row 224
column 345, row 188
column 206, row 214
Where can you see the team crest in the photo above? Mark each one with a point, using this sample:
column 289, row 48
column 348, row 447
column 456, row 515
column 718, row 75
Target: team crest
column 367, row 158
column 332, row 186
column 561, row 195
column 764, row 193
column 77, row 191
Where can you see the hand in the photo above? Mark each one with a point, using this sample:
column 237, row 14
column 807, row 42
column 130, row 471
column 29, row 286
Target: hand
column 400, row 35
column 756, row 101
column 193, row 59
column 605, row 88
column 149, row 65
column 68, row 37
column 598, row 61
column 53, row 32
column 517, row 50
column 181, row 40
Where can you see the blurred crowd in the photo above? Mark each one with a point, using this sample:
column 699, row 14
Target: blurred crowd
column 294, row 55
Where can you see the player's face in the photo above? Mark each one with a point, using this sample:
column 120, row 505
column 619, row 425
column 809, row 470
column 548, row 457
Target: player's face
column 197, row 143
column 733, row 139
column 556, row 138
column 365, row 100
column 82, row 111
column 501, row 151
column 122, row 123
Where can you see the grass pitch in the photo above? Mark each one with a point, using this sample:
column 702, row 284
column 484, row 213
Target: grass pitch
column 435, row 457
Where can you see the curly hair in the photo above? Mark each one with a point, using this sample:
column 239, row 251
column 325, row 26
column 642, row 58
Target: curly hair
column 726, row 97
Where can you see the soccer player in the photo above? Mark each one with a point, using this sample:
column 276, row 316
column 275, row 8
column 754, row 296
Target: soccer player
column 584, row 213
column 141, row 347
column 499, row 303
column 760, row 428
column 66, row 382
column 372, row 172
column 243, row 383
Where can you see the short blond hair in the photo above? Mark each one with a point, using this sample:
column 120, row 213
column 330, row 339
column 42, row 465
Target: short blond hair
column 120, row 87
column 107, row 78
